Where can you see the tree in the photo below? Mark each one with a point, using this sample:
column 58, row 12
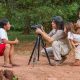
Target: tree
column 27, row 25
column 9, row 7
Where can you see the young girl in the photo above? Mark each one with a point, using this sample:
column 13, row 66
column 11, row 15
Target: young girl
column 76, row 44
column 75, row 41
column 6, row 46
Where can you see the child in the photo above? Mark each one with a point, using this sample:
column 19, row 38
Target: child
column 76, row 44
column 69, row 29
column 75, row 41
column 6, row 46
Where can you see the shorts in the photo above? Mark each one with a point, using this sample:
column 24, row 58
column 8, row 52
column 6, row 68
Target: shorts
column 2, row 48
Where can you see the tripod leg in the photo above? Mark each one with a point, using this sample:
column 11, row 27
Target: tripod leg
column 38, row 48
column 43, row 45
column 33, row 51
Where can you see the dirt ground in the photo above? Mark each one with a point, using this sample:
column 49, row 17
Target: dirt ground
column 41, row 70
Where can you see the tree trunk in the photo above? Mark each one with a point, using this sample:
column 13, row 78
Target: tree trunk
column 27, row 25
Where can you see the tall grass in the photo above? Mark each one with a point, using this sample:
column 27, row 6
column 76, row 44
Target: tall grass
column 16, row 34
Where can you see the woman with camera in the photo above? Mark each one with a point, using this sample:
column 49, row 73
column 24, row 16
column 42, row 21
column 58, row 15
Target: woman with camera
column 57, row 38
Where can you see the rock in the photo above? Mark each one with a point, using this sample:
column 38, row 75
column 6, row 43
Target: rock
column 7, row 75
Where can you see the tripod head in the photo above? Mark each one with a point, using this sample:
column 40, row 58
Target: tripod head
column 36, row 26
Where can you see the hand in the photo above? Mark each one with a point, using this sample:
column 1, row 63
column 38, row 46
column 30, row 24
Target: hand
column 76, row 44
column 16, row 41
column 38, row 31
column 42, row 28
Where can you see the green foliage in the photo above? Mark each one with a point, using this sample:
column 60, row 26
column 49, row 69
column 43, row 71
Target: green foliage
column 68, row 12
column 2, row 11
column 23, row 13
column 15, row 78
column 41, row 14
column 18, row 20
column 72, row 10
column 20, row 36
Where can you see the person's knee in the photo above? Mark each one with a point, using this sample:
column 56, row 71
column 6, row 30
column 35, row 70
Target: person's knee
column 7, row 49
column 55, row 43
column 12, row 46
column 7, row 46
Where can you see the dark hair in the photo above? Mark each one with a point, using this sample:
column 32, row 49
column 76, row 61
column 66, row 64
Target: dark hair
column 69, row 26
column 59, row 22
column 3, row 22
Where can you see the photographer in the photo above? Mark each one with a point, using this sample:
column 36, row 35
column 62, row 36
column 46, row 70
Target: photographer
column 57, row 38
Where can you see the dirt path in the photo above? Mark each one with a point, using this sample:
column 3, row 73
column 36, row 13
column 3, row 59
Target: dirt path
column 41, row 70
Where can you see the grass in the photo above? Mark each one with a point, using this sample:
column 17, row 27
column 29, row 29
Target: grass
column 16, row 34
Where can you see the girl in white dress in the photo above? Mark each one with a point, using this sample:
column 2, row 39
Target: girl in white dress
column 75, row 41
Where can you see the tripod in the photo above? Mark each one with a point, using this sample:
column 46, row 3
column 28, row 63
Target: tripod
column 36, row 50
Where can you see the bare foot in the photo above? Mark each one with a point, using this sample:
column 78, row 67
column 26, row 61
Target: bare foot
column 7, row 65
column 77, row 63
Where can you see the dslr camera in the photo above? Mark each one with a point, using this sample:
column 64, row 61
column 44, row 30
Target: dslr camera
column 37, row 26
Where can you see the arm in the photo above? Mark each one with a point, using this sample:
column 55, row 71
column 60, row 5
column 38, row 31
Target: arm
column 10, row 42
column 74, row 44
column 44, row 35
column 4, row 38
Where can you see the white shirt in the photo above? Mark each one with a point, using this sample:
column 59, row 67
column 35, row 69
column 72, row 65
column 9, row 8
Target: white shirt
column 75, row 37
column 3, row 35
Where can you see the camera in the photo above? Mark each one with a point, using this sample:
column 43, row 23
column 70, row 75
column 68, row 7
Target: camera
column 36, row 26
